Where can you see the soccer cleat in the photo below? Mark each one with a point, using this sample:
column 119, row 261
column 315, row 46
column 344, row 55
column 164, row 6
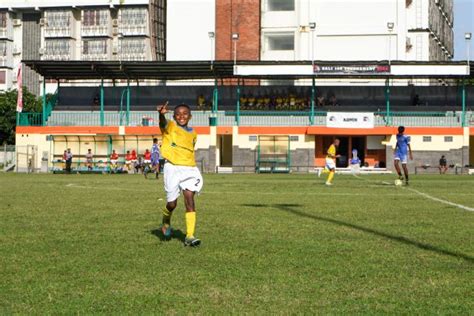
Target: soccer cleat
column 328, row 183
column 192, row 241
column 406, row 182
column 166, row 230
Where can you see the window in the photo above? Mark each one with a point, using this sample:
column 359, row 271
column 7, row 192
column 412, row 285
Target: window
column 294, row 138
column 58, row 19
column 281, row 41
column 3, row 48
column 133, row 48
column 3, row 19
column 252, row 138
column 95, row 17
column 426, row 139
column 94, row 47
column 281, row 5
column 57, row 47
column 3, row 77
column 448, row 139
column 133, row 16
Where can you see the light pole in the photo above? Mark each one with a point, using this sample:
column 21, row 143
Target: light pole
column 467, row 37
column 390, row 26
column 212, row 35
column 235, row 38
column 312, row 27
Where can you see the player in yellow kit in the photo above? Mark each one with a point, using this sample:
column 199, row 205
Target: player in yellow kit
column 331, row 161
column 180, row 171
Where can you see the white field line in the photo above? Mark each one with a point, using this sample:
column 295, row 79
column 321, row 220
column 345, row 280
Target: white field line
column 464, row 207
column 425, row 195
column 77, row 186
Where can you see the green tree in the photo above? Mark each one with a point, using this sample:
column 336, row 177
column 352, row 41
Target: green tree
column 31, row 103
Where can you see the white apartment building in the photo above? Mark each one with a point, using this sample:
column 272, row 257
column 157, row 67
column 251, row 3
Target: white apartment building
column 131, row 30
column 418, row 30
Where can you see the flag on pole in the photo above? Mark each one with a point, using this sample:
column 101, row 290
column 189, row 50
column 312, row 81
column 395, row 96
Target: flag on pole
column 19, row 100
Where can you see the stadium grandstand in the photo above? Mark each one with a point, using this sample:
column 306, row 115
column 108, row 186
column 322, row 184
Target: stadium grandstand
column 247, row 126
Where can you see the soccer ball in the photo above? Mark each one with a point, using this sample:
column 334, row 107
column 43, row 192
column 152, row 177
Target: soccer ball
column 398, row 182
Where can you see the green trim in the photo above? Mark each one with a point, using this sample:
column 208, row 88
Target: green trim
column 313, row 94
column 102, row 118
column 463, row 115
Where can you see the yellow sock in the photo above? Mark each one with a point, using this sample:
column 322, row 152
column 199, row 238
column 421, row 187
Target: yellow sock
column 166, row 217
column 190, row 224
column 330, row 176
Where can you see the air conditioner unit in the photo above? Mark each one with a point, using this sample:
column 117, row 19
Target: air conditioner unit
column 14, row 79
column 115, row 23
column 115, row 31
column 42, row 51
column 43, row 22
column 16, row 22
column 114, row 50
column 16, row 50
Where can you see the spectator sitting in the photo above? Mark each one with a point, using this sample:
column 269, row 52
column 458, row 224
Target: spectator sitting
column 89, row 160
column 320, row 100
column 68, row 160
column 128, row 161
column 201, row 102
column 146, row 166
column 267, row 102
column 113, row 161
column 251, row 102
column 95, row 102
column 443, row 165
column 331, row 99
column 416, row 100
column 64, row 159
column 243, row 102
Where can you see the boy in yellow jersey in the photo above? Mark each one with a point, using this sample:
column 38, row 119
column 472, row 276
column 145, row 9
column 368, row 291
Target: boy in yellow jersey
column 331, row 161
column 180, row 171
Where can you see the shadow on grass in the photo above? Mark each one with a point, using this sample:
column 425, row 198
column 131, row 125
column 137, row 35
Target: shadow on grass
column 290, row 208
column 176, row 234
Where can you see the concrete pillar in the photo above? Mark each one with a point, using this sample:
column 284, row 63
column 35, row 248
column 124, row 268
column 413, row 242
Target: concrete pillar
column 213, row 152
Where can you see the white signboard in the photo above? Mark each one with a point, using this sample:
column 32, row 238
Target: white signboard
column 350, row 120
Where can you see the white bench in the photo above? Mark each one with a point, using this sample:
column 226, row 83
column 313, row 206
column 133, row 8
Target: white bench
column 362, row 170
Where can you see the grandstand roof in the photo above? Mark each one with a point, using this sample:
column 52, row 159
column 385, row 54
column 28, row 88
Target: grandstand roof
column 180, row 70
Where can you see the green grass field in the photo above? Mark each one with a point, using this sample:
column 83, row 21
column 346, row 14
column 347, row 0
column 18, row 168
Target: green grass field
column 279, row 244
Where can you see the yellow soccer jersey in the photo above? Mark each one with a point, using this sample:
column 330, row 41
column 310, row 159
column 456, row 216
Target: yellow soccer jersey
column 178, row 144
column 331, row 152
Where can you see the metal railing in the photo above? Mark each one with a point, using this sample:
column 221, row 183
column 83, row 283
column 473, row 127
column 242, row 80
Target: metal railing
column 29, row 119
column 231, row 118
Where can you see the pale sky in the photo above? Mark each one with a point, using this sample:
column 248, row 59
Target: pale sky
column 463, row 22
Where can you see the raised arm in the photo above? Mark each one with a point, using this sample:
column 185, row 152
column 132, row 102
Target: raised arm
column 163, row 109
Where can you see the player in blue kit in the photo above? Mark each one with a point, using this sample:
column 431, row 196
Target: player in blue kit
column 402, row 152
column 155, row 157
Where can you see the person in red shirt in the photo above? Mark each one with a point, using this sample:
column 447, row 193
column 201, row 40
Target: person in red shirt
column 128, row 161
column 113, row 161
column 134, row 160
column 146, row 162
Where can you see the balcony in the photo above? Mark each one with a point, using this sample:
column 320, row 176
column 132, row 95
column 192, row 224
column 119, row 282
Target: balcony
column 96, row 23
column 132, row 21
column 96, row 30
column 57, row 49
column 95, row 49
column 58, row 23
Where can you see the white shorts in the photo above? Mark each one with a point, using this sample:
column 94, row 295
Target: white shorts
column 146, row 161
column 403, row 158
column 330, row 163
column 179, row 178
column 114, row 162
